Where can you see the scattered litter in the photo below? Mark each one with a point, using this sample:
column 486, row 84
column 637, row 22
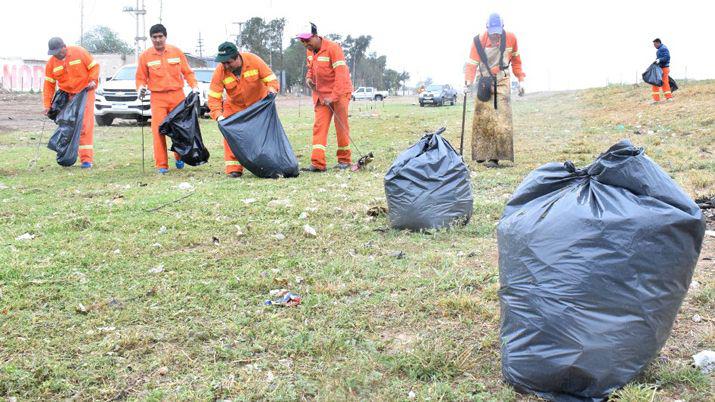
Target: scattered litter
column 309, row 231
column 116, row 251
column 249, row 201
column 106, row 329
column 163, row 371
column 376, row 211
column 279, row 236
column 81, row 309
column 398, row 255
column 283, row 298
column 185, row 186
column 279, row 203
column 215, row 240
column 299, row 280
column 411, row 395
column 156, row 245
column 157, row 270
column 162, row 230
column 239, row 232
column 3, row 186
column 697, row 318
column 710, row 233
column 303, row 215
column 26, row 236
column 705, row 361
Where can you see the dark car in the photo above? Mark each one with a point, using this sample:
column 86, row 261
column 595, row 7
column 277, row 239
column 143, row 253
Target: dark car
column 438, row 95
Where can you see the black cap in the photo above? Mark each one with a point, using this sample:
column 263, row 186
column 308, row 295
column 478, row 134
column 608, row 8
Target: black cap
column 226, row 52
column 55, row 45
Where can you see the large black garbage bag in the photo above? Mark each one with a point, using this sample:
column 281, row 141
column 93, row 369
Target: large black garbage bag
column 653, row 75
column 65, row 140
column 673, row 84
column 59, row 101
column 428, row 186
column 182, row 126
column 257, row 139
column 594, row 264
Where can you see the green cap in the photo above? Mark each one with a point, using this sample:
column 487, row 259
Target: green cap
column 226, row 52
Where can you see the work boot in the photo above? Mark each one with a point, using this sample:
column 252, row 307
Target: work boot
column 235, row 175
column 162, row 170
column 655, row 102
column 86, row 165
column 669, row 99
column 492, row 163
column 342, row 166
column 313, row 169
column 180, row 164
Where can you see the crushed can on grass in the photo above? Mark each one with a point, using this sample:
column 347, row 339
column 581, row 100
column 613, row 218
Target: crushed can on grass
column 285, row 298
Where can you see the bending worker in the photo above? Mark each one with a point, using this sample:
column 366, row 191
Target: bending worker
column 492, row 129
column 329, row 79
column 73, row 69
column 162, row 70
column 247, row 79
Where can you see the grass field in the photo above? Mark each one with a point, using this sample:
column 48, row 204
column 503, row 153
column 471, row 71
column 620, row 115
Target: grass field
column 126, row 293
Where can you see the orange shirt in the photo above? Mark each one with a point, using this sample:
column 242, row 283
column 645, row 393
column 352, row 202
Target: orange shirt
column 328, row 70
column 163, row 71
column 511, row 53
column 242, row 91
column 72, row 74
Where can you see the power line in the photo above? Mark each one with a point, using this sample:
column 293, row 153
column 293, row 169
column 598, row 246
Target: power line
column 200, row 47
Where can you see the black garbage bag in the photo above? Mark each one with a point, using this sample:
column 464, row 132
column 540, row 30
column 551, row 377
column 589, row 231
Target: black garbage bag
column 428, row 186
column 59, row 101
column 653, row 75
column 182, row 126
column 257, row 139
column 673, row 84
column 594, row 264
column 65, row 140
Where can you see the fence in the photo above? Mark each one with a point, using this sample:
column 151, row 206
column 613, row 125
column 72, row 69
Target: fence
column 22, row 75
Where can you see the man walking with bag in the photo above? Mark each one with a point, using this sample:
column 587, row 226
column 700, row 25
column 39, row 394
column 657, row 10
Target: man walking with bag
column 662, row 55
column 491, row 55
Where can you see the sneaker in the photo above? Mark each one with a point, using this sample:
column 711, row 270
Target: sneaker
column 235, row 175
column 180, row 164
column 492, row 163
column 655, row 102
column 669, row 100
column 342, row 166
column 86, row 165
column 162, row 170
column 312, row 168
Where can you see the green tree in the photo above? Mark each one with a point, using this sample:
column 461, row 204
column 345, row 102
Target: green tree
column 294, row 59
column 391, row 80
column 101, row 39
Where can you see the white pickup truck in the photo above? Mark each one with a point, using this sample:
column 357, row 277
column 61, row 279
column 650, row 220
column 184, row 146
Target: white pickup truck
column 369, row 93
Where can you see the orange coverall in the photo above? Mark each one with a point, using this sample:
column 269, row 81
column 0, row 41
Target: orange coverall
column 249, row 87
column 163, row 72
column 328, row 70
column 72, row 74
column 666, row 86
column 511, row 53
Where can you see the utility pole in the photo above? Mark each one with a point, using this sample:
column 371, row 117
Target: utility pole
column 137, row 39
column 240, row 30
column 161, row 9
column 200, row 47
column 81, row 23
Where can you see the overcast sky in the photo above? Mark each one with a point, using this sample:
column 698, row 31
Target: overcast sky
column 564, row 44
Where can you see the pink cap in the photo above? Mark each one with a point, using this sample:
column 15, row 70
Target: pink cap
column 304, row 36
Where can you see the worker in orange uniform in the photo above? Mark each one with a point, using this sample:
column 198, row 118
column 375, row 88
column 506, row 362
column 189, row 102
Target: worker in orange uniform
column 247, row 79
column 162, row 70
column 492, row 128
column 662, row 55
column 73, row 69
column 329, row 79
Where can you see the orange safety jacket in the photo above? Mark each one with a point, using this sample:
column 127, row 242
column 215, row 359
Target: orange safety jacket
column 72, row 74
column 328, row 70
column 250, row 86
column 163, row 71
column 511, row 54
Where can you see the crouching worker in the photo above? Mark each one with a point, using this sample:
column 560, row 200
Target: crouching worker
column 247, row 79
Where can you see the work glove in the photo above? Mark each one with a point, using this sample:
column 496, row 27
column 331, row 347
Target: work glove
column 272, row 90
column 92, row 85
column 310, row 83
column 142, row 92
column 327, row 101
column 220, row 118
column 467, row 88
column 195, row 90
column 657, row 61
column 522, row 90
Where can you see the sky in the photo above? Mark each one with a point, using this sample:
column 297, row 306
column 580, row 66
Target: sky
column 564, row 44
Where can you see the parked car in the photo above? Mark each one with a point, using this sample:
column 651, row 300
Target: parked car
column 117, row 98
column 438, row 95
column 369, row 93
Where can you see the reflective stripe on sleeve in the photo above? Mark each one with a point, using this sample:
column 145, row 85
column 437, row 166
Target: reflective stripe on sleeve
column 50, row 80
column 324, row 58
column 339, row 63
column 228, row 80
column 472, row 62
column 86, row 147
column 58, row 68
column 270, row 78
column 216, row 95
column 319, row 146
column 91, row 65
